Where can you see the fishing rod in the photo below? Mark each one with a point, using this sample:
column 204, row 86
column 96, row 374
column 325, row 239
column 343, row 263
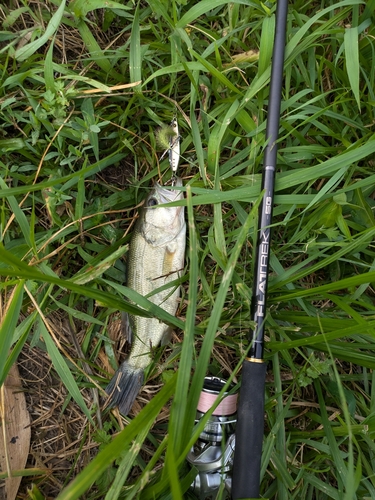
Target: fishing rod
column 220, row 456
column 250, row 412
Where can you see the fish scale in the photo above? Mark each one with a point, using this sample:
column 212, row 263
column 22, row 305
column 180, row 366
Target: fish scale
column 156, row 258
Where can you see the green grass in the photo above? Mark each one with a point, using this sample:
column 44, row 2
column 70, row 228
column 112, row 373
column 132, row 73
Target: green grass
column 84, row 87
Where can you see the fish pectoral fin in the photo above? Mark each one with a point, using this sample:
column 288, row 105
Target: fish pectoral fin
column 126, row 328
column 171, row 247
column 169, row 257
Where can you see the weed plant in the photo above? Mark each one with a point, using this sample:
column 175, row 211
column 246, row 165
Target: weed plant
column 85, row 85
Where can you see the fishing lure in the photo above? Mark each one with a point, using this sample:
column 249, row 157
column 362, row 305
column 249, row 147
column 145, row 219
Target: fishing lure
column 174, row 147
column 169, row 138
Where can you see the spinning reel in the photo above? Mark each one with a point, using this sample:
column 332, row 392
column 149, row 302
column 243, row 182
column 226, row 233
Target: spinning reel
column 212, row 454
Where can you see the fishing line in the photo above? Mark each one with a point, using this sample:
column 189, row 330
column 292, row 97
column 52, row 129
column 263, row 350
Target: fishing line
column 227, row 406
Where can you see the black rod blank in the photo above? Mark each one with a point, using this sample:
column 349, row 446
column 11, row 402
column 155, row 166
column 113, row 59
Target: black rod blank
column 250, row 416
column 260, row 283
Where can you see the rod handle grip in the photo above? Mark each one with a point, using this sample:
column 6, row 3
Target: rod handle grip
column 249, row 432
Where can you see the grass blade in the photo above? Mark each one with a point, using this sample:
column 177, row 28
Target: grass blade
column 29, row 49
column 135, row 60
column 8, row 326
column 352, row 61
column 83, row 7
column 182, row 416
column 64, row 372
column 203, row 7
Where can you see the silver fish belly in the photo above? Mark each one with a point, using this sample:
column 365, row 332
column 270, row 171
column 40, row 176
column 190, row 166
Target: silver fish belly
column 156, row 258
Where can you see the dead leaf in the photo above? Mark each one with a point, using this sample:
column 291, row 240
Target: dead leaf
column 15, row 432
column 112, row 89
column 248, row 57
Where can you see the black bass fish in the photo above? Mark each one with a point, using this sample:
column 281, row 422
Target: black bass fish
column 156, row 257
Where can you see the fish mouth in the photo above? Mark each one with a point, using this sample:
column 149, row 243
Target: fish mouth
column 169, row 195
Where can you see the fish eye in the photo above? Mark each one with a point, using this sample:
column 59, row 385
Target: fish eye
column 152, row 202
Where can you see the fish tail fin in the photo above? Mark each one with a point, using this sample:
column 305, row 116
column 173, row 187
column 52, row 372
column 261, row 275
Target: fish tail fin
column 124, row 387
